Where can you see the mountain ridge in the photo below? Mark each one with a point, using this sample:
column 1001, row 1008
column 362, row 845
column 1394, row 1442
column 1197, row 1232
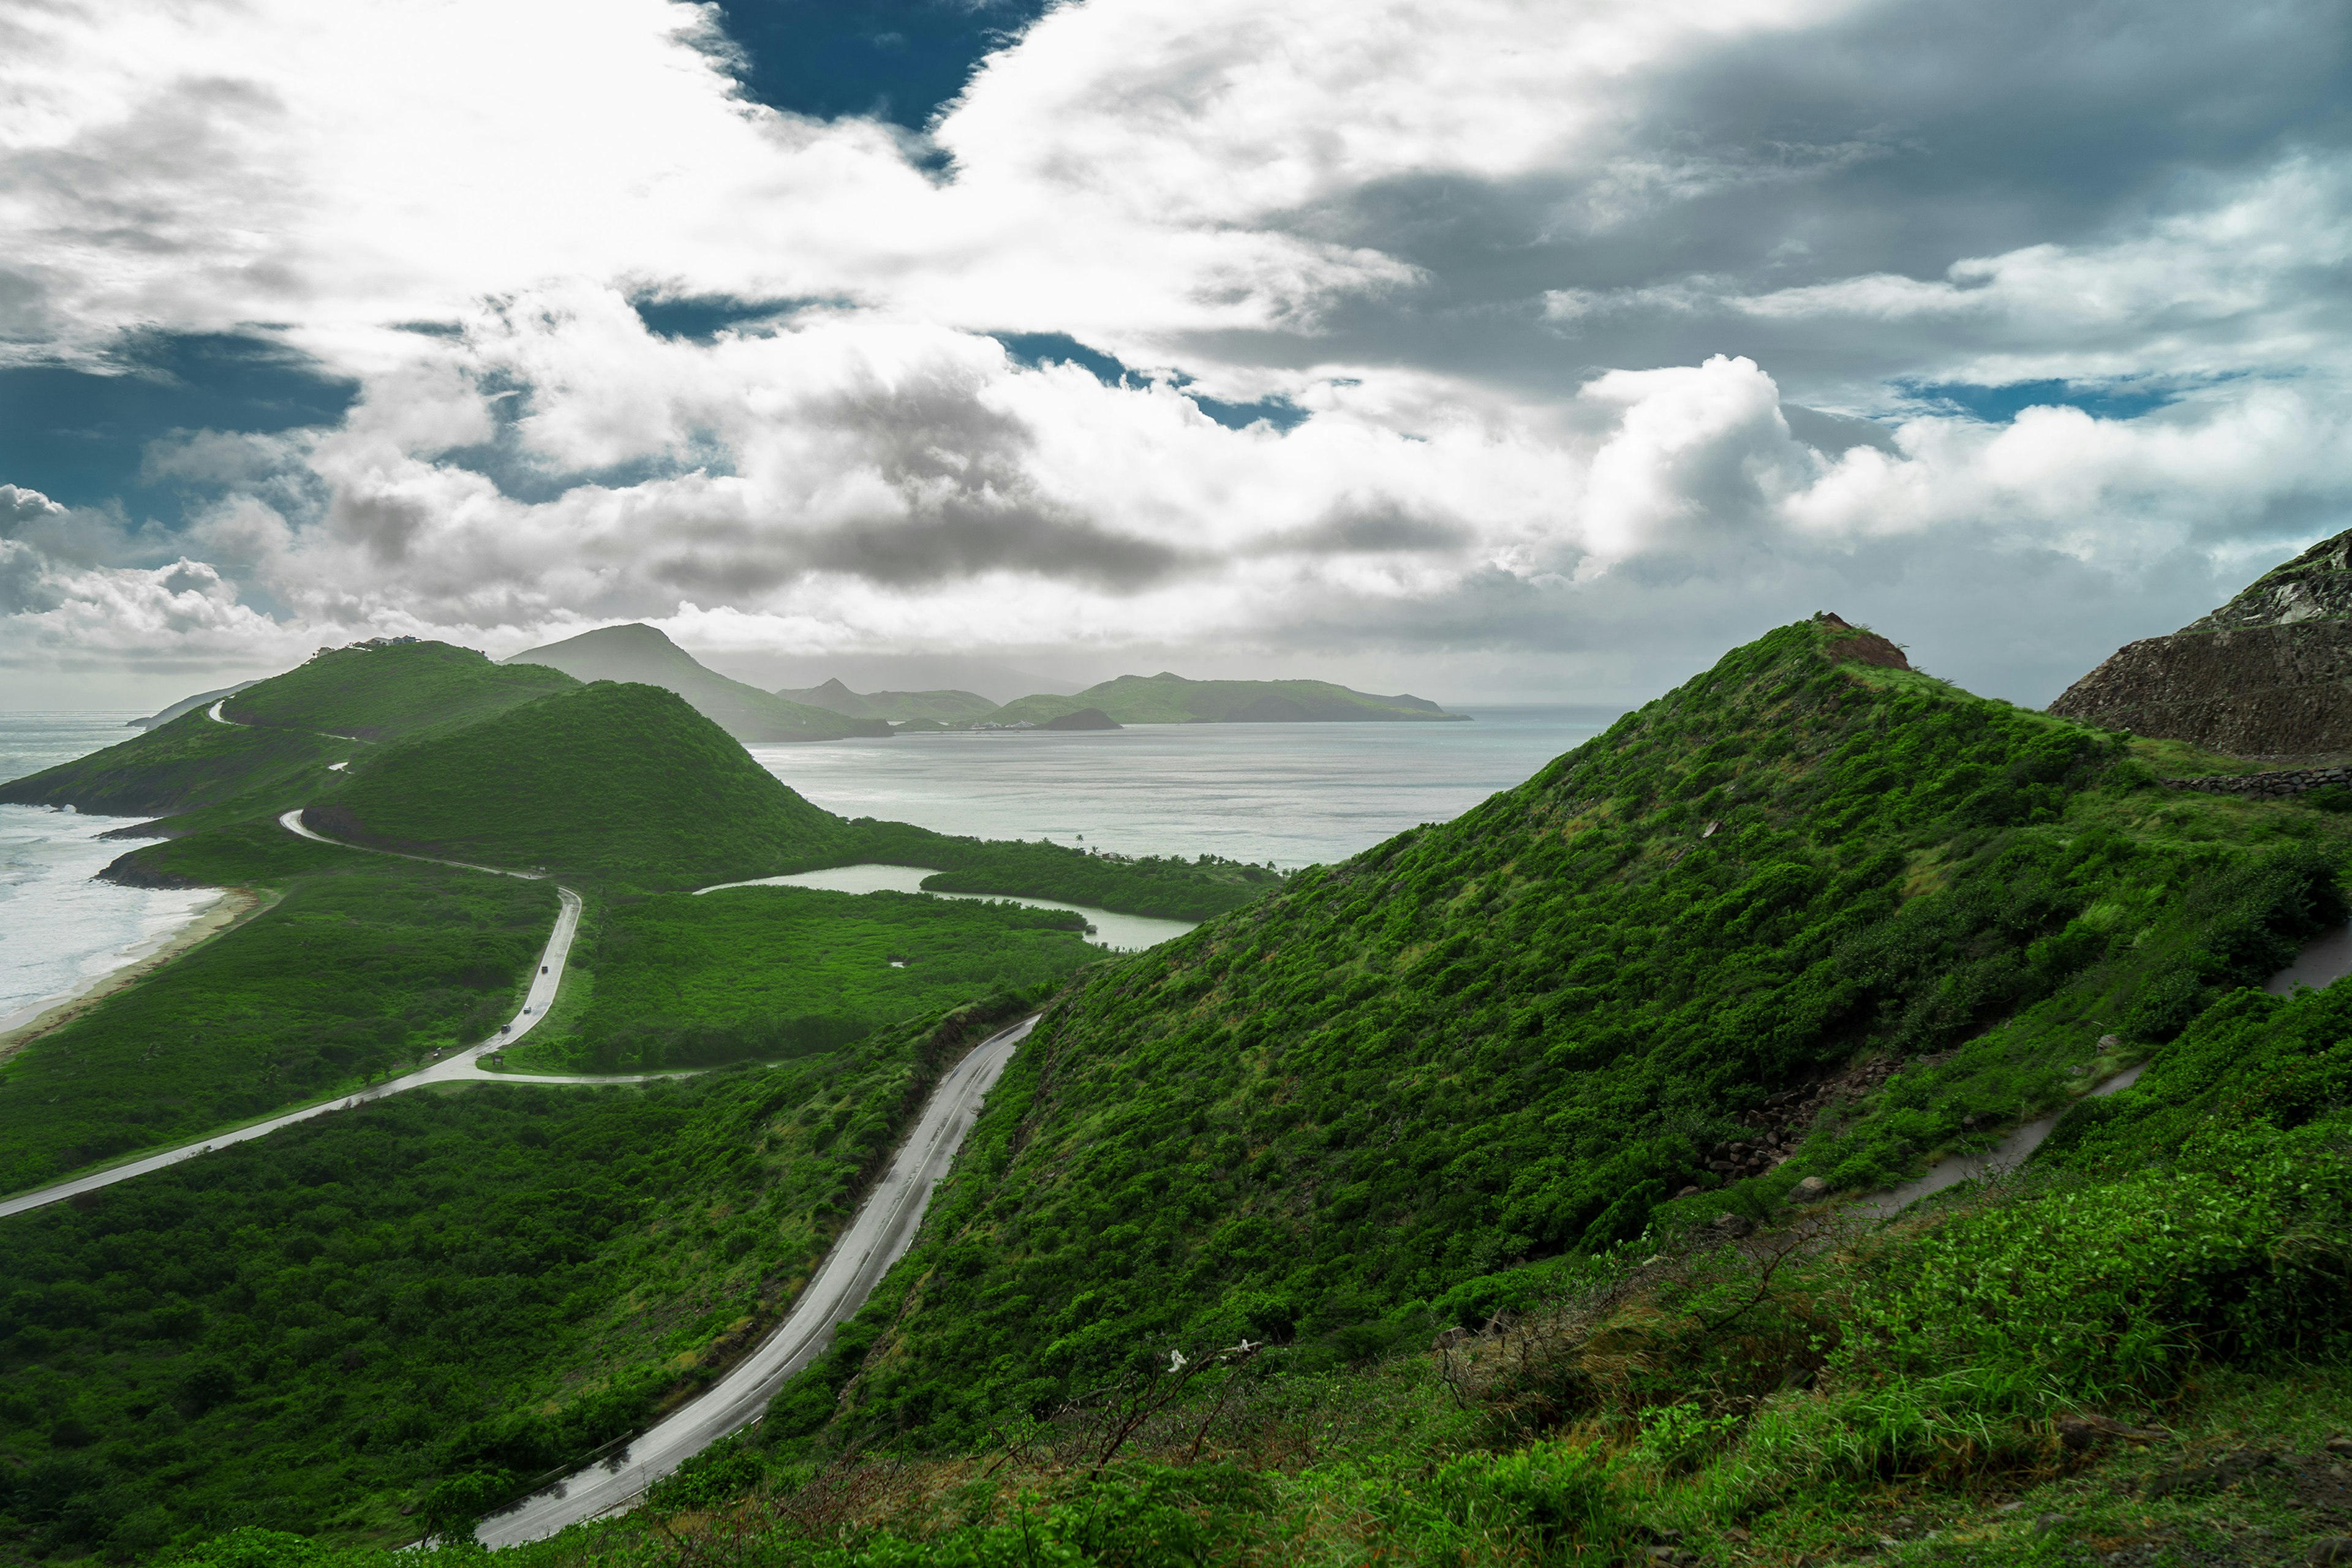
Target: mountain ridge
column 640, row 653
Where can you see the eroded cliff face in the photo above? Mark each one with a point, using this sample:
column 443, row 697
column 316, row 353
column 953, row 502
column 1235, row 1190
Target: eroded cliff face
column 2269, row 674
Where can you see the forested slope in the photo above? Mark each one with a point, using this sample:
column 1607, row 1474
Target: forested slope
column 282, row 734
column 184, row 765
column 366, row 1325
column 1328, row 1117
column 383, row 693
column 625, row 781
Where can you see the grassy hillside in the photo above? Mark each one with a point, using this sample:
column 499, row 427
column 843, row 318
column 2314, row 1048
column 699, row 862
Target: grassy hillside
column 359, row 1323
column 674, row 980
column 625, row 782
column 940, row 707
column 364, row 964
column 2137, row 1352
column 1328, row 1117
column 1166, row 699
column 283, row 733
column 182, row 766
column 641, row 654
column 1165, row 886
column 385, row 693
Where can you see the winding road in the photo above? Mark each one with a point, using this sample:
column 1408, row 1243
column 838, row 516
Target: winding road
column 880, row 1235
column 458, row 1067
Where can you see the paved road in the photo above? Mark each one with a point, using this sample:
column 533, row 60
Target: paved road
column 458, row 1067
column 877, row 1238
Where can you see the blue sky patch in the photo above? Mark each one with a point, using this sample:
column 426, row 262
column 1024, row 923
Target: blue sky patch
column 1035, row 349
column 703, row 317
column 77, row 437
column 2000, row 404
column 894, row 60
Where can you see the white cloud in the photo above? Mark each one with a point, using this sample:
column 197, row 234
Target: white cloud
column 1193, row 183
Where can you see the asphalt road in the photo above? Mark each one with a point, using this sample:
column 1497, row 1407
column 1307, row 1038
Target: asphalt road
column 457, row 1066
column 877, row 1238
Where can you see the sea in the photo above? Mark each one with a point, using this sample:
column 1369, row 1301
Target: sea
column 61, row 931
column 1289, row 794
column 1282, row 795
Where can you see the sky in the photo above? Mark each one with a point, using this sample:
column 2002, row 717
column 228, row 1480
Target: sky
column 1496, row 350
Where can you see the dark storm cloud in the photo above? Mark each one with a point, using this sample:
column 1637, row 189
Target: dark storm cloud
column 1900, row 140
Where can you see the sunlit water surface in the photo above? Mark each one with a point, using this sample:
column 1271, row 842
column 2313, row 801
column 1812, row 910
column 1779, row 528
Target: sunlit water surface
column 1296, row 795
column 61, row 931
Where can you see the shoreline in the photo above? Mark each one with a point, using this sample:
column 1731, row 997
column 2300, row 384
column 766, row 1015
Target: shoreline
column 232, row 905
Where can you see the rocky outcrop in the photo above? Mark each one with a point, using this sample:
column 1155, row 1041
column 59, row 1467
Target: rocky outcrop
column 2269, row 674
column 2316, row 585
column 2264, row 786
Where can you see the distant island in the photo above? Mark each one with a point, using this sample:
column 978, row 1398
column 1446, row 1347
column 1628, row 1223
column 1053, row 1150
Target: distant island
column 894, row 706
column 1162, row 699
column 639, row 653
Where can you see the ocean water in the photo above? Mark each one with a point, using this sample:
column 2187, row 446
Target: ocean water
column 1292, row 794
column 1295, row 794
column 61, row 931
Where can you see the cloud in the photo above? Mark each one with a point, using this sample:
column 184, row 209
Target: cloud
column 1609, row 321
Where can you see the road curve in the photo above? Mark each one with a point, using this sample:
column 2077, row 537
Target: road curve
column 877, row 1238
column 458, row 1067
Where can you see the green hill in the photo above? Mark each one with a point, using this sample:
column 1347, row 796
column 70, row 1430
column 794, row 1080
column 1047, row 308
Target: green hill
column 937, row 707
column 1166, row 699
column 383, row 693
column 189, row 764
column 1328, row 1117
column 641, row 654
column 619, row 780
column 281, row 734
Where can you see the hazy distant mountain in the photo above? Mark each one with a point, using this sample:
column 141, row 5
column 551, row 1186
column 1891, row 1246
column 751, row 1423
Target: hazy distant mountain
column 945, row 707
column 875, row 672
column 1166, row 699
column 186, row 704
column 641, row 654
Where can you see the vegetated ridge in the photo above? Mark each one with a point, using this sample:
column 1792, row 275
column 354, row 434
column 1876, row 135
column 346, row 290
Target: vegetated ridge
column 937, row 707
column 389, row 691
column 1165, row 886
column 639, row 653
column 625, row 781
column 382, row 1322
column 165, row 715
column 283, row 733
column 2268, row 675
column 1166, row 699
column 1340, row 1116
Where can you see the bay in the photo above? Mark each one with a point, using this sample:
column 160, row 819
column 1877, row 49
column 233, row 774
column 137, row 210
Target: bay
column 1292, row 794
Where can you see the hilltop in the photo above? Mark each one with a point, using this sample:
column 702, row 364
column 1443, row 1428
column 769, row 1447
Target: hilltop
column 616, row 780
column 2264, row 676
column 937, row 707
column 277, row 738
column 641, row 654
column 388, row 691
column 1166, row 699
column 1347, row 1112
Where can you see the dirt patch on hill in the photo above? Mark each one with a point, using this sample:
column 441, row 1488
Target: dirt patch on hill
column 1850, row 644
